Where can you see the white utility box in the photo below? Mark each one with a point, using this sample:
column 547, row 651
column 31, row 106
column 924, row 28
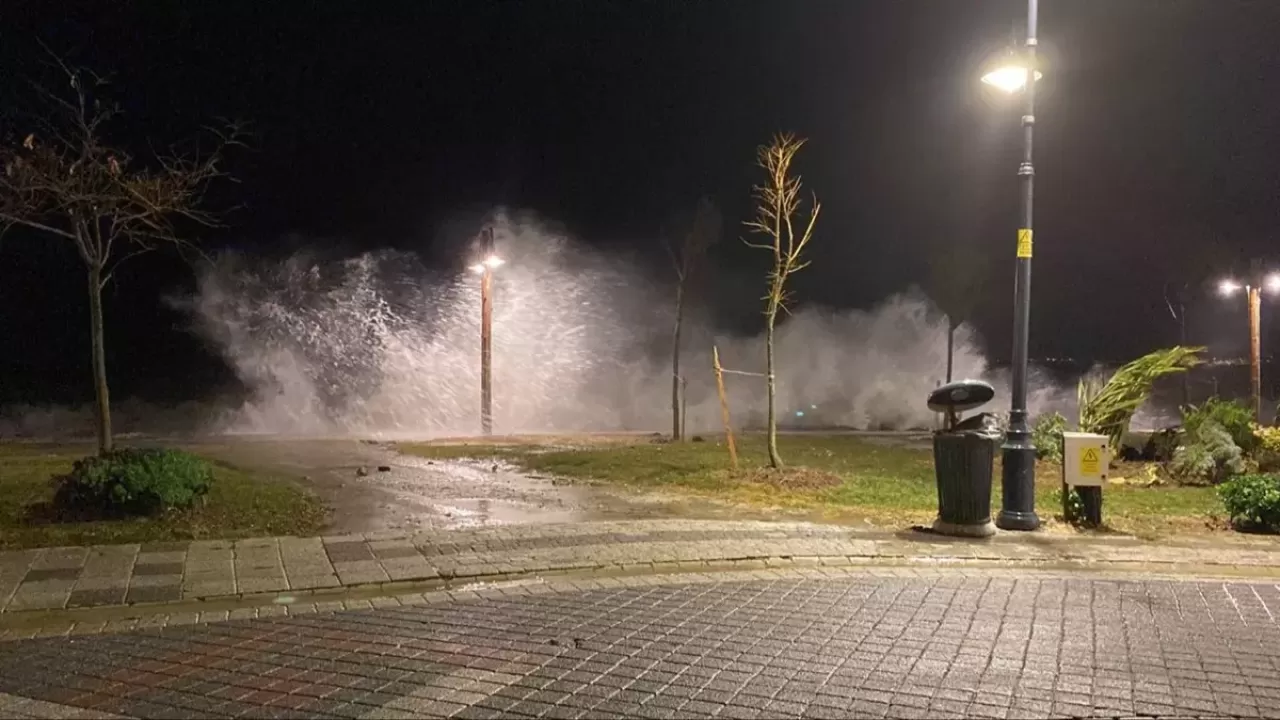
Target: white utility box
column 1085, row 459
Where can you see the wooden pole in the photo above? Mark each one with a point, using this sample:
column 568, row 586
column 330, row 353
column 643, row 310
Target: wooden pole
column 1255, row 349
column 1066, row 490
column 486, row 351
column 724, row 408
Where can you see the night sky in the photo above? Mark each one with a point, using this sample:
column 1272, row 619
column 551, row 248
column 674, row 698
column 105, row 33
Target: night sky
column 389, row 124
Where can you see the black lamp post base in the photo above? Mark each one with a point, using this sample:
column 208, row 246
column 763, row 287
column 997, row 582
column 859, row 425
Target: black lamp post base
column 1017, row 483
column 1013, row 520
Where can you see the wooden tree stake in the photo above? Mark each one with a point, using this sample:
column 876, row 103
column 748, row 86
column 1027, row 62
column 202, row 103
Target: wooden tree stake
column 724, row 408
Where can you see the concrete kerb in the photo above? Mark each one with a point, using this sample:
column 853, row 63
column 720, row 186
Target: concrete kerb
column 92, row 620
column 279, row 573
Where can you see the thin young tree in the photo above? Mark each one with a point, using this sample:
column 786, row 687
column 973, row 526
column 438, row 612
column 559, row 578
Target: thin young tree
column 956, row 278
column 777, row 203
column 688, row 260
column 63, row 178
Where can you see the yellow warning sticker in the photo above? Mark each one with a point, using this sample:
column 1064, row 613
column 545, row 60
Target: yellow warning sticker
column 1024, row 242
column 1090, row 462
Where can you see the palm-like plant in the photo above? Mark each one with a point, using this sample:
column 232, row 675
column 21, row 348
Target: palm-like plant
column 1106, row 408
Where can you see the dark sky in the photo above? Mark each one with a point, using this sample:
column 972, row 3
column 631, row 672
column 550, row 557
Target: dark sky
column 382, row 123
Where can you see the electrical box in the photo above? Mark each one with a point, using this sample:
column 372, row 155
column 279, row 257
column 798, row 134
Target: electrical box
column 1085, row 459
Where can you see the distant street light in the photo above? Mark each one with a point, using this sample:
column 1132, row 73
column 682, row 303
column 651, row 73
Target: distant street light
column 1229, row 287
column 1018, row 455
column 484, row 268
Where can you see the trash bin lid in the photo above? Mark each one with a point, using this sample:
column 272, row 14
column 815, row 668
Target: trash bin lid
column 961, row 395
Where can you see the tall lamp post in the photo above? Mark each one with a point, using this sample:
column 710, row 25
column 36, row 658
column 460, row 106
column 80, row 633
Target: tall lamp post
column 1253, row 289
column 1179, row 314
column 1018, row 455
column 489, row 261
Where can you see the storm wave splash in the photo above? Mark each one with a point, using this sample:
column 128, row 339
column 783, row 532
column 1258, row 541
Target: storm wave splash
column 378, row 344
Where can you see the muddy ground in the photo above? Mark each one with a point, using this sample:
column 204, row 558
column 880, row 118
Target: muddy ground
column 415, row 493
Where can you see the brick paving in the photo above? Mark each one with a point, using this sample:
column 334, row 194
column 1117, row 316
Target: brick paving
column 821, row 643
column 101, row 576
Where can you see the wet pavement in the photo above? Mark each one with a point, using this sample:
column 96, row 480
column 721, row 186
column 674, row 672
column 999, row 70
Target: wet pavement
column 467, row 590
column 420, row 494
column 853, row 643
column 82, row 590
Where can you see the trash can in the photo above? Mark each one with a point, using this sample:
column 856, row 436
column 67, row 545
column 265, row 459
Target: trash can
column 964, row 458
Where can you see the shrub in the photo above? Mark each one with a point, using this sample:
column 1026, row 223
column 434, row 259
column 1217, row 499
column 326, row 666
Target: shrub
column 133, row 482
column 1207, row 454
column 1046, row 433
column 1074, row 508
column 1252, row 502
column 1232, row 416
column 1162, row 445
column 1268, row 447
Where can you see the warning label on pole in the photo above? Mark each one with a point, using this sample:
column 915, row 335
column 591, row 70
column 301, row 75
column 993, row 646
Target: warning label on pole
column 1090, row 462
column 1024, row 242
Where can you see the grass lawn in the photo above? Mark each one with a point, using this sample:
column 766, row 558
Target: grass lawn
column 885, row 482
column 239, row 505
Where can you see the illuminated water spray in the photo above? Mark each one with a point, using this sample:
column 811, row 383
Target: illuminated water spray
column 379, row 345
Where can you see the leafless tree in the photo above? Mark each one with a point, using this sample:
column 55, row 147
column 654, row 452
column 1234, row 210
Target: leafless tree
column 63, row 178
column 957, row 276
column 688, row 259
column 777, row 203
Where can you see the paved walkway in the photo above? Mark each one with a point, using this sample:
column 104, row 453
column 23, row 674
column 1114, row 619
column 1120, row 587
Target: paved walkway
column 822, row 643
column 83, row 577
column 77, row 591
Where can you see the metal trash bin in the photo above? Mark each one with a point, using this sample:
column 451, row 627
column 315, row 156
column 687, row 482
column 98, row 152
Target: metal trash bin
column 964, row 460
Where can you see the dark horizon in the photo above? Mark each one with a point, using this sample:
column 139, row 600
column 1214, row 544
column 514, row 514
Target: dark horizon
column 398, row 128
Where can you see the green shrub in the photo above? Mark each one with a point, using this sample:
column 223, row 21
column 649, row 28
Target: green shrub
column 1232, row 416
column 1207, row 454
column 133, row 482
column 1046, row 434
column 1268, row 450
column 1074, row 508
column 1252, row 502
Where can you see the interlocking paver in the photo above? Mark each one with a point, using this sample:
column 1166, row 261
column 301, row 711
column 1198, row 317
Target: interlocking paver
column 212, row 569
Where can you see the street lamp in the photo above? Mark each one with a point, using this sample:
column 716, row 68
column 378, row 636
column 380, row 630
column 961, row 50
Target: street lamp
column 489, row 262
column 1229, row 287
column 1018, row 455
column 1009, row 78
column 1253, row 288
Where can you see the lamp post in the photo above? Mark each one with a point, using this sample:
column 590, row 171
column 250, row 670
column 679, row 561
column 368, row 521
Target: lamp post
column 1253, row 290
column 1018, row 455
column 488, row 263
column 1179, row 314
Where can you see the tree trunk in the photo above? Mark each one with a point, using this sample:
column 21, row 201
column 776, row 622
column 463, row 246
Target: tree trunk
column 951, row 345
column 677, row 433
column 775, row 460
column 102, row 395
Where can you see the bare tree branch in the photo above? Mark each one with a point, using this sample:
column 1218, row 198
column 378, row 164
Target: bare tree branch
column 777, row 202
column 11, row 220
column 65, row 179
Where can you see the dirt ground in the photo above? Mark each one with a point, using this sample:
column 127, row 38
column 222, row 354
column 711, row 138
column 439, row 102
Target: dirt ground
column 417, row 493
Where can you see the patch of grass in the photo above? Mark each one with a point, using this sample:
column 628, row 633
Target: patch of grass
column 239, row 504
column 882, row 480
